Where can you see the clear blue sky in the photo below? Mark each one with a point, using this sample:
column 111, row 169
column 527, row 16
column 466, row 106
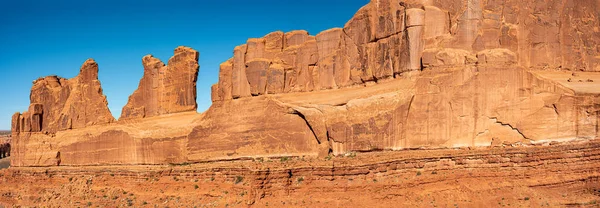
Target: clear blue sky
column 40, row 38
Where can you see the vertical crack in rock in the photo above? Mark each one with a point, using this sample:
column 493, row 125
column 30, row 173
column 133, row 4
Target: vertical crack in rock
column 412, row 98
column 555, row 109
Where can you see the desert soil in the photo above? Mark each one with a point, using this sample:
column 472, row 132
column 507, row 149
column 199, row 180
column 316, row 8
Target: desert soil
column 555, row 175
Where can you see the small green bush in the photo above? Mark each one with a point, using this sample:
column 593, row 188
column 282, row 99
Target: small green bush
column 239, row 179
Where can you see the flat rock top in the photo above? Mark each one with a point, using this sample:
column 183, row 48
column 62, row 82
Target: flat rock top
column 170, row 125
column 341, row 96
column 581, row 83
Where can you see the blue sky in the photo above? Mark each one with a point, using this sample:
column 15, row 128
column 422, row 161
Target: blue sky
column 40, row 38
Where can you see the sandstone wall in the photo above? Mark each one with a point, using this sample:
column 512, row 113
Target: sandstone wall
column 387, row 37
column 365, row 50
column 59, row 104
column 552, row 34
column 165, row 89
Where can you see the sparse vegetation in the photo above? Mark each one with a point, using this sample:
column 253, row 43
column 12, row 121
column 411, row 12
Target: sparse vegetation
column 284, row 159
column 328, row 157
column 239, row 179
column 433, row 172
column 351, row 154
column 526, row 198
column 196, row 186
column 300, row 179
column 418, row 173
column 180, row 164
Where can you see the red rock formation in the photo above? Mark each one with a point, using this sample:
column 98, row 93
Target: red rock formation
column 399, row 75
column 554, row 175
column 165, row 89
column 386, row 38
column 60, row 104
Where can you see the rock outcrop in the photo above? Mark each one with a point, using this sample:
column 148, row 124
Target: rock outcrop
column 399, row 75
column 467, row 177
column 386, row 38
column 59, row 104
column 367, row 49
column 165, row 89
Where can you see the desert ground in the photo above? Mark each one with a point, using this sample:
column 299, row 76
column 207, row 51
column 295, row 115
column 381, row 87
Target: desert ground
column 557, row 175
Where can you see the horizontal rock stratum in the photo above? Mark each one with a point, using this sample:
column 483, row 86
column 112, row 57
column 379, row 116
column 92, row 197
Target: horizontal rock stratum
column 399, row 75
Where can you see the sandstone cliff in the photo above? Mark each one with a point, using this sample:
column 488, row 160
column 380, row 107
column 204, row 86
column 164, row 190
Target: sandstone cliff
column 388, row 37
column 59, row 104
column 399, row 75
column 165, row 89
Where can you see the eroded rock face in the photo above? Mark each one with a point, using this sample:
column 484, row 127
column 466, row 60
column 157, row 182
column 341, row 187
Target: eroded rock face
column 544, row 34
column 165, row 89
column 398, row 75
column 60, row 104
column 373, row 45
column 386, row 38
